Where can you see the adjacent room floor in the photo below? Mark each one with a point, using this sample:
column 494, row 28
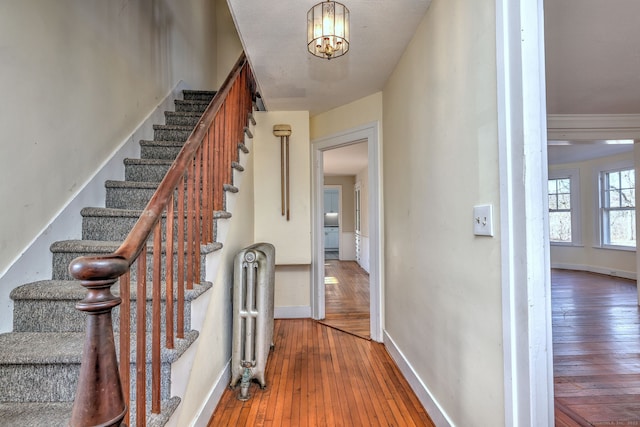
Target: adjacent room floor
column 596, row 347
column 347, row 297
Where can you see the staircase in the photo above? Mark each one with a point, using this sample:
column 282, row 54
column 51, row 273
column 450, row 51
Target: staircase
column 40, row 360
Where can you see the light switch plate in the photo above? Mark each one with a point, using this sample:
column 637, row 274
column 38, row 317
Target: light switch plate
column 483, row 220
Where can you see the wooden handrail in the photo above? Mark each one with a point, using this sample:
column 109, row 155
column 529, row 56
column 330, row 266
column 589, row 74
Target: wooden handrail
column 200, row 169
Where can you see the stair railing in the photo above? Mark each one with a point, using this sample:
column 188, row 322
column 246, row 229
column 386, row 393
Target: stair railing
column 187, row 198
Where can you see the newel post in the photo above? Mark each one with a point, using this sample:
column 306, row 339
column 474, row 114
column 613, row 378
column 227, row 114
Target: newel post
column 99, row 399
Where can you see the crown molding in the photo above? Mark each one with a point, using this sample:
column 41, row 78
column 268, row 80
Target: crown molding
column 572, row 127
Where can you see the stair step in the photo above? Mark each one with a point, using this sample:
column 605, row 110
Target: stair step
column 66, row 251
column 44, row 367
column 129, row 194
column 192, row 106
column 135, row 194
column 35, row 414
column 39, row 366
column 171, row 132
column 199, row 95
column 165, row 150
column 182, row 118
column 38, row 414
column 49, row 305
column 146, row 170
column 115, row 224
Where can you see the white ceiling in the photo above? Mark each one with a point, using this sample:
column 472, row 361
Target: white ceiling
column 274, row 36
column 592, row 57
column 348, row 160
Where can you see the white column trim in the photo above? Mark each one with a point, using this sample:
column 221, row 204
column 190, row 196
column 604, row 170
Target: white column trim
column 526, row 282
column 589, row 127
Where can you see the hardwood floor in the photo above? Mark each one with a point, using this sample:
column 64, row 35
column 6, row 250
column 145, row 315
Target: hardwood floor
column 347, row 297
column 596, row 346
column 320, row 376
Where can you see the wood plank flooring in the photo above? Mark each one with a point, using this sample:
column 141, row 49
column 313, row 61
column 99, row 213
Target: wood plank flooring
column 320, row 376
column 596, row 346
column 347, row 297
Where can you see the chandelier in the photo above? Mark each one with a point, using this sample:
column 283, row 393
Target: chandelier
column 328, row 30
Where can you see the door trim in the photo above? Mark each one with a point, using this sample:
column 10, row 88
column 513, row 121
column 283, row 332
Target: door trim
column 369, row 133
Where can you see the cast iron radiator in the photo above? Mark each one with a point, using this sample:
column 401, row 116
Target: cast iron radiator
column 254, row 277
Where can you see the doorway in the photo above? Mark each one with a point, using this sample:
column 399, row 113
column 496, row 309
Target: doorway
column 367, row 134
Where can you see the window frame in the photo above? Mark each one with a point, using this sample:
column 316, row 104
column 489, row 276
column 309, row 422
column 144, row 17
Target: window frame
column 576, row 208
column 600, row 176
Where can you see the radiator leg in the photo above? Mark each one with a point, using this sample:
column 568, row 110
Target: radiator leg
column 245, row 382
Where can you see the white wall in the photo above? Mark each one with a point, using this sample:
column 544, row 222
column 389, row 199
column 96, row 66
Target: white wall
column 440, row 155
column 589, row 256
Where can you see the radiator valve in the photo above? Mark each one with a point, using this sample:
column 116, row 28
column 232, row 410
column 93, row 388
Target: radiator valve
column 245, row 382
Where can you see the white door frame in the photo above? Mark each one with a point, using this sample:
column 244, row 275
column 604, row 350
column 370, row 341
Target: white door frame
column 526, row 282
column 368, row 133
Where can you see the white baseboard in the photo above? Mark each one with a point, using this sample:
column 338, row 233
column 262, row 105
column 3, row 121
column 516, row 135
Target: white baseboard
column 420, row 389
column 215, row 394
column 594, row 269
column 292, row 312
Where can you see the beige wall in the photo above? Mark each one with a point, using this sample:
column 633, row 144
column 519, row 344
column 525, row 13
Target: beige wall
column 77, row 77
column 228, row 45
column 442, row 283
column 588, row 255
column 347, row 203
column 354, row 114
column 292, row 238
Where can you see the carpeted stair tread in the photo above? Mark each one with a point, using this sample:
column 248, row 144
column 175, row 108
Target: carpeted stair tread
column 182, row 118
column 173, row 127
column 111, row 212
column 40, row 347
column 153, row 142
column 132, row 213
column 189, row 105
column 206, row 95
column 108, row 246
column 51, row 290
column 163, row 162
column 131, row 184
column 39, row 414
column 35, row 414
column 53, row 348
column 72, row 290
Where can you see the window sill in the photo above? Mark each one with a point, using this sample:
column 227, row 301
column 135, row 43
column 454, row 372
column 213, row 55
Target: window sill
column 569, row 245
column 616, row 248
